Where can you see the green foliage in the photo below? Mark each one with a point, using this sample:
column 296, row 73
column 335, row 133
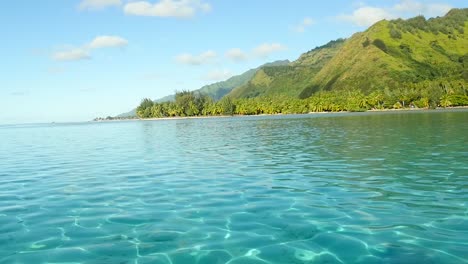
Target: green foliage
column 418, row 55
column 144, row 109
column 289, row 80
column 219, row 89
column 406, row 49
column 452, row 23
column 380, row 44
column 464, row 61
column 330, row 45
column 185, row 100
column 424, row 64
column 445, row 101
column 395, row 33
column 418, row 22
column 186, row 104
column 227, row 106
column 458, row 99
column 366, row 43
column 420, row 95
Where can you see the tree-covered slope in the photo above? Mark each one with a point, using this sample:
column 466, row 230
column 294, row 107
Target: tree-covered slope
column 219, row 89
column 396, row 64
column 289, row 79
column 387, row 55
column 391, row 53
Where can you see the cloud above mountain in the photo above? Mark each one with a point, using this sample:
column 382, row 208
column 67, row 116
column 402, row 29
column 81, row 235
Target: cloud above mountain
column 365, row 15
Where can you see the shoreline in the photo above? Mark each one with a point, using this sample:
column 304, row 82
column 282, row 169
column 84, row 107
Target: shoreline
column 280, row 114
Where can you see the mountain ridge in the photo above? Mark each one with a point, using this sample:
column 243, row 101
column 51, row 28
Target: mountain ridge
column 388, row 54
column 398, row 63
column 290, row 79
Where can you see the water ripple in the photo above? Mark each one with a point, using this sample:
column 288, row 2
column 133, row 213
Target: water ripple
column 356, row 188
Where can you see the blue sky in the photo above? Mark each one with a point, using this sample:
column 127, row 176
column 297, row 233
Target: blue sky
column 75, row 60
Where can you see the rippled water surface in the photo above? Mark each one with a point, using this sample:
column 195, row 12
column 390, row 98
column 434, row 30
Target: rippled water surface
column 329, row 188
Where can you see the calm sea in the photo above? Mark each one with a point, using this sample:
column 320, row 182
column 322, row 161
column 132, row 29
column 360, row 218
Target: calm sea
column 321, row 188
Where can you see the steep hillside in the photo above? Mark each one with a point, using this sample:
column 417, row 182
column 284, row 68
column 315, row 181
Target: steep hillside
column 394, row 64
column 289, row 79
column 401, row 51
column 387, row 55
column 220, row 89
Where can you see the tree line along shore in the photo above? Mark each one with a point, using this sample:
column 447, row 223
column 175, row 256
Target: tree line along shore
column 426, row 95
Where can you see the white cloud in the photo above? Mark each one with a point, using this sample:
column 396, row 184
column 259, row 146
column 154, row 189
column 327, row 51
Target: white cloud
column 236, row 55
column 108, row 42
column 434, row 10
column 98, row 4
column 81, row 53
column 218, row 75
column 203, row 58
column 71, row 55
column 266, row 49
column 408, row 6
column 365, row 16
column 167, row 8
column 305, row 23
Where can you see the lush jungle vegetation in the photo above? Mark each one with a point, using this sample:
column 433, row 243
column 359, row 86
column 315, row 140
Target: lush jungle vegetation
column 422, row 95
column 413, row 63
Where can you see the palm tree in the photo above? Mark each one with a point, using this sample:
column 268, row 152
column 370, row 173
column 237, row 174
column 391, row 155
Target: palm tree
column 445, row 101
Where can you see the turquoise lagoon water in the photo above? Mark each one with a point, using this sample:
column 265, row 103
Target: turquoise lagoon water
column 325, row 188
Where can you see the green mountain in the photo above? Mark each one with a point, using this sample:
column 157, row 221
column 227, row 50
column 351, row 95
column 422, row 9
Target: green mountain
column 219, row 89
column 289, row 79
column 391, row 53
column 392, row 65
column 386, row 56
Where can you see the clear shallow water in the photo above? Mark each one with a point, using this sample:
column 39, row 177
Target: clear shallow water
column 334, row 188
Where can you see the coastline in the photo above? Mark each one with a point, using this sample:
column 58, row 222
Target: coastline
column 281, row 114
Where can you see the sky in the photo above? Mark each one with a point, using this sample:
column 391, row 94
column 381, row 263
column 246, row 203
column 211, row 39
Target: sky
column 74, row 60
